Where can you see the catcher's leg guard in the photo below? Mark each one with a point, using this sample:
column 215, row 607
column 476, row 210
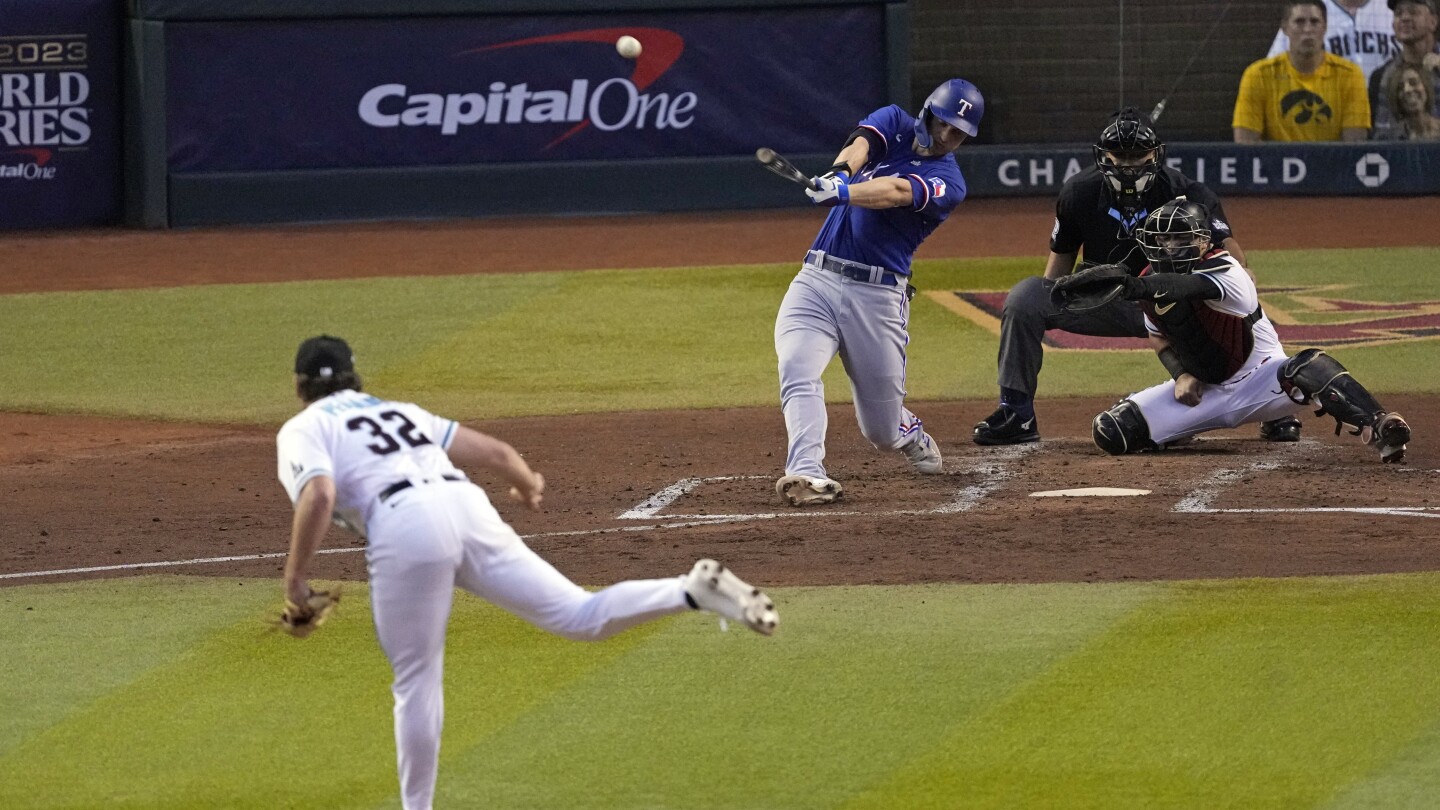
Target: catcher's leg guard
column 1122, row 429
column 1314, row 377
column 1317, row 378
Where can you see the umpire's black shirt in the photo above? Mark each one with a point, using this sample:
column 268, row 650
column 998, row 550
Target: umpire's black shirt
column 1085, row 215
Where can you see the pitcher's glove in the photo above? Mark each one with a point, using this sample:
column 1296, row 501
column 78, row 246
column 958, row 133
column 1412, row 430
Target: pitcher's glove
column 1092, row 287
column 300, row 620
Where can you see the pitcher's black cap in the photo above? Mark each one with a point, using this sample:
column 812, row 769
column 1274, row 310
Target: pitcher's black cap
column 324, row 356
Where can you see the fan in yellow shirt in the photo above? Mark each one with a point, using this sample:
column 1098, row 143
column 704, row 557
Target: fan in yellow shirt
column 1304, row 94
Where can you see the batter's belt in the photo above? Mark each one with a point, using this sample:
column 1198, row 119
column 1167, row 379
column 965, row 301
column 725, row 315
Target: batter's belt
column 869, row 274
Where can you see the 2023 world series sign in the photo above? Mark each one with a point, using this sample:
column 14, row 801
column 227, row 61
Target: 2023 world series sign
column 59, row 114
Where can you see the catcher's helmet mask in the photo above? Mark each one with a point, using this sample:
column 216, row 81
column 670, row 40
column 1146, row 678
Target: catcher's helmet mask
column 957, row 103
column 1129, row 135
column 1175, row 237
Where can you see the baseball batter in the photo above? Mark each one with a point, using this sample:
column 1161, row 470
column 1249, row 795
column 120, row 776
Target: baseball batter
column 386, row 469
column 1205, row 322
column 892, row 184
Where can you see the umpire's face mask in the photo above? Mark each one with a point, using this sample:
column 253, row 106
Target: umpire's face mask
column 1128, row 176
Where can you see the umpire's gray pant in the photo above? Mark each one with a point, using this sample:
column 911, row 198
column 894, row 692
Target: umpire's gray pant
column 1029, row 312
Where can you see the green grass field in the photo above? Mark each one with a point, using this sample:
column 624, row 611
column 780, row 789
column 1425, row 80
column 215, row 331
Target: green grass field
column 510, row 345
column 169, row 692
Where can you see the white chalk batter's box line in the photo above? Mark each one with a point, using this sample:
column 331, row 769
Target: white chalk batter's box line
column 1199, row 500
column 994, row 471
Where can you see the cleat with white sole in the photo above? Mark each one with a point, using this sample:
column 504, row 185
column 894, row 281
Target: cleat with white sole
column 924, row 455
column 714, row 588
column 805, row 490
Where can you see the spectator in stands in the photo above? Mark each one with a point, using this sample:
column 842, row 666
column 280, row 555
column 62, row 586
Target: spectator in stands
column 1410, row 93
column 1415, row 24
column 1304, row 94
column 1358, row 30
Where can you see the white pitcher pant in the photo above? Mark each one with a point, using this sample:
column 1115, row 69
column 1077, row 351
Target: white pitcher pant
column 427, row 540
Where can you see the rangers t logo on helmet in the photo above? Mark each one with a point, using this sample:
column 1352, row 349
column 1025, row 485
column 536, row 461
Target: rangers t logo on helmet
column 957, row 103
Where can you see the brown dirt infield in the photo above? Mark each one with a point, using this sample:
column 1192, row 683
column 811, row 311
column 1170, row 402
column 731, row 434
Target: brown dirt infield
column 85, row 492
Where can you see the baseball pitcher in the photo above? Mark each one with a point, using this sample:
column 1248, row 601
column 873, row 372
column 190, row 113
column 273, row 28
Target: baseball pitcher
column 1204, row 320
column 892, row 184
column 387, row 468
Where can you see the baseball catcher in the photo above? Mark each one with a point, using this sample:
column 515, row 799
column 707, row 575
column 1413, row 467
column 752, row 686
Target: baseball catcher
column 1203, row 316
column 1098, row 216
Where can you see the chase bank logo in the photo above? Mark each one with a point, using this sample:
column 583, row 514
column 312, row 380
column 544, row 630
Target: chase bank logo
column 1372, row 170
column 613, row 104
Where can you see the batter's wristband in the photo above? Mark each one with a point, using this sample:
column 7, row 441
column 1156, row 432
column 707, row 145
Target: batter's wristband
column 841, row 169
column 1171, row 360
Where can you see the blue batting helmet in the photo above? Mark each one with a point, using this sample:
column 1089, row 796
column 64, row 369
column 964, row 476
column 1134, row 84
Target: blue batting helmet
column 957, row 103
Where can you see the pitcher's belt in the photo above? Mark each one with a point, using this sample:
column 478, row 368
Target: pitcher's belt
column 854, row 270
column 400, row 486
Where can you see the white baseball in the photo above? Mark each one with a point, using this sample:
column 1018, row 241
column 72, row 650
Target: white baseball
column 628, row 46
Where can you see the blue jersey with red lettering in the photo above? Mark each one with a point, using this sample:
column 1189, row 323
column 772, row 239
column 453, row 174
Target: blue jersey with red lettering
column 889, row 237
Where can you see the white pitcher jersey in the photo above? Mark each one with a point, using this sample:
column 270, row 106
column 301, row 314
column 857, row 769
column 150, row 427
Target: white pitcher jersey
column 371, row 442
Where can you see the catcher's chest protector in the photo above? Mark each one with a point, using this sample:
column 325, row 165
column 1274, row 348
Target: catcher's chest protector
column 1212, row 344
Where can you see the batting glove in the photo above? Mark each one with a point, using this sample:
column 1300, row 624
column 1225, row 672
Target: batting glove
column 829, row 191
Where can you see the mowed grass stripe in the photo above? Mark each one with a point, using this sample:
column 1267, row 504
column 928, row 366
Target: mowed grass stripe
column 1229, row 694
column 1252, row 693
column 251, row 718
column 528, row 344
column 1409, row 781
column 532, row 720
column 70, row 644
column 859, row 681
column 224, row 353
column 612, row 340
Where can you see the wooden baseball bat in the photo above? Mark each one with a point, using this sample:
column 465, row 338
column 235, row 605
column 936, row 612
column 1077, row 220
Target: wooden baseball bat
column 777, row 163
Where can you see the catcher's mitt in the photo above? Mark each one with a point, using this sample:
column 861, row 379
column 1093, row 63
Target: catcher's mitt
column 301, row 620
column 1092, row 287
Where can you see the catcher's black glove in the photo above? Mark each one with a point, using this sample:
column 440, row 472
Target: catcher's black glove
column 1093, row 287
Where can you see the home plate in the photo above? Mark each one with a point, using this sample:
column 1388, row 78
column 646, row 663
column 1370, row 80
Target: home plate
column 1088, row 492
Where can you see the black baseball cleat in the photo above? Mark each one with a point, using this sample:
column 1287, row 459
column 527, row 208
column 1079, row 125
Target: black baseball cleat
column 1390, row 434
column 1284, row 429
column 1004, row 426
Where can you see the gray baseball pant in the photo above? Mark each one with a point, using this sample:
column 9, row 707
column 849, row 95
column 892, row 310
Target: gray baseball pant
column 1030, row 311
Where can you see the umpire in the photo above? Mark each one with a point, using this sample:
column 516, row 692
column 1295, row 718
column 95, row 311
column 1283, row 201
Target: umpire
column 1100, row 210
